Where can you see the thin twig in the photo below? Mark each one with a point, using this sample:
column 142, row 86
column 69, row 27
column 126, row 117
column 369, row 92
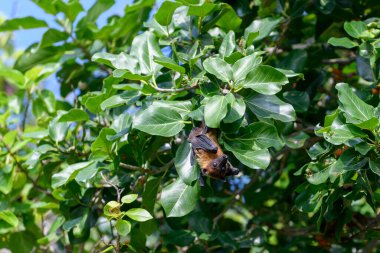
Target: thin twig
column 19, row 165
column 25, row 114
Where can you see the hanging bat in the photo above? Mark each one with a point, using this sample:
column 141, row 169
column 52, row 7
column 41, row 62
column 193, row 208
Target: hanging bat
column 207, row 151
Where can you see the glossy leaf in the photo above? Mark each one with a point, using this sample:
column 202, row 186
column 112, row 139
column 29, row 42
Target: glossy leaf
column 254, row 159
column 103, row 148
column 165, row 12
column 13, row 76
column 244, row 65
column 159, row 121
column 218, row 68
column 215, row 110
column 22, row 23
column 265, row 80
column 52, row 36
column 138, row 214
column 179, row 199
column 342, row 42
column 169, row 63
column 355, row 109
column 129, row 198
column 355, row 28
column 74, row 115
column 68, row 173
column 9, row 218
column 123, row 227
column 228, row 45
column 145, row 48
column 185, row 170
column 270, row 107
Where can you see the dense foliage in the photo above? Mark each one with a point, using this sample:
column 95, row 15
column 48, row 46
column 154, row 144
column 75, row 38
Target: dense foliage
column 103, row 162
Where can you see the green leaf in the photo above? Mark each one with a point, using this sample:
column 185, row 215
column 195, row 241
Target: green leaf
column 68, row 173
column 117, row 61
column 201, row 10
column 125, row 98
column 103, row 148
column 159, row 121
column 298, row 99
column 355, row 28
column 138, row 214
column 270, row 107
column 258, row 134
column 228, row 45
column 228, row 19
column 296, row 141
column 145, row 47
column 319, row 177
column 169, row 63
column 52, row 36
column 165, row 13
column 356, row 110
column 9, row 218
column 339, row 132
column 185, row 170
column 265, row 80
column 74, row 115
column 215, row 110
column 263, row 26
column 32, row 58
column 179, row 199
column 125, row 73
column 244, row 65
column 112, row 209
column 374, row 165
column 129, row 198
column 219, row 68
column 6, row 179
column 123, row 227
column 13, row 76
column 236, row 110
column 99, row 7
column 87, row 173
column 342, row 42
column 254, row 159
column 182, row 107
column 22, row 23
column 70, row 9
column 58, row 130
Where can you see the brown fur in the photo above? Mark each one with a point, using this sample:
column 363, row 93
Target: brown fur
column 212, row 164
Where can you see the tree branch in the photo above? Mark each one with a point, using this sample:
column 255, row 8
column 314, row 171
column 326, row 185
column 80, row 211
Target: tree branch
column 195, row 85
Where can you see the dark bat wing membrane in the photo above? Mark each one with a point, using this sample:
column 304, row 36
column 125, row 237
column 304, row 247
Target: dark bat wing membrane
column 202, row 141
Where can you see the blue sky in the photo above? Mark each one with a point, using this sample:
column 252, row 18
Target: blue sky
column 22, row 8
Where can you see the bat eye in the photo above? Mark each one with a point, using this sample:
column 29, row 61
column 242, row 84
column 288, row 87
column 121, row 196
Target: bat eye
column 214, row 164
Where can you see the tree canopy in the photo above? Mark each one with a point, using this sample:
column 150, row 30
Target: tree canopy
column 102, row 163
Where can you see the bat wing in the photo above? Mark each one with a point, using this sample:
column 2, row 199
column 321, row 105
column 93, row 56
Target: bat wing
column 202, row 141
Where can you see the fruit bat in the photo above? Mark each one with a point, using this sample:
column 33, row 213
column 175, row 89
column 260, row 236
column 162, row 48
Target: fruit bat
column 209, row 155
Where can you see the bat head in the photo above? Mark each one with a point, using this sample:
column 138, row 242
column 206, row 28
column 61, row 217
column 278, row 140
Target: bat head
column 219, row 168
